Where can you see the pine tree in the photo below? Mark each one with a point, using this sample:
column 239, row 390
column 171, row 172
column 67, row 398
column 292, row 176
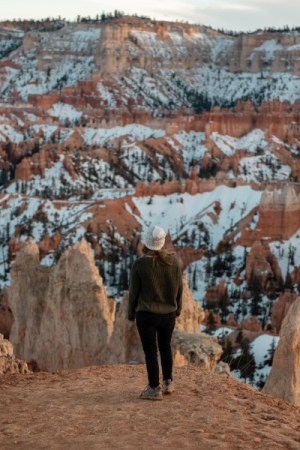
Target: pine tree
column 123, row 280
column 211, row 322
column 255, row 304
column 291, row 255
column 223, row 304
column 227, row 352
column 218, row 266
column 195, row 279
column 245, row 362
column 261, row 382
column 208, row 268
column 288, row 281
column 271, row 351
column 239, row 337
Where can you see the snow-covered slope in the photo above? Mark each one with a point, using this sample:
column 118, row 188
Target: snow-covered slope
column 184, row 65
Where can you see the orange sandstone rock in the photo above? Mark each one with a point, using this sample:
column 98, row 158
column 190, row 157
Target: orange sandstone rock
column 284, row 379
column 262, row 266
column 280, row 309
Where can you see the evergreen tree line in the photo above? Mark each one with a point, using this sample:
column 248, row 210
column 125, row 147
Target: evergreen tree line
column 233, row 33
column 243, row 361
column 10, row 47
column 46, row 24
column 107, row 16
column 55, row 23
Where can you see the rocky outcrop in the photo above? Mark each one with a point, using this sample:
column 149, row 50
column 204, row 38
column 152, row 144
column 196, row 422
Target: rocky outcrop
column 262, row 267
column 191, row 186
column 279, row 215
column 250, row 53
column 125, row 345
column 63, row 317
column 284, row 379
column 192, row 315
column 280, row 309
column 6, row 316
column 8, row 362
column 36, row 161
column 250, row 324
column 216, row 295
column 281, row 208
column 27, row 301
column 239, row 334
column 197, row 349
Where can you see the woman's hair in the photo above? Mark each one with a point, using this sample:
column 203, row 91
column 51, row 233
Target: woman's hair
column 161, row 256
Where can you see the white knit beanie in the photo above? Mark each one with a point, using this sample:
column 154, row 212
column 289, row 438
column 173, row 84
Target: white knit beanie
column 154, row 237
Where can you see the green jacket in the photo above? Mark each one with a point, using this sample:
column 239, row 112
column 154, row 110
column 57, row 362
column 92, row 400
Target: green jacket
column 155, row 287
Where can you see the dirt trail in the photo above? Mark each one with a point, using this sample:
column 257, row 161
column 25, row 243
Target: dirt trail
column 99, row 408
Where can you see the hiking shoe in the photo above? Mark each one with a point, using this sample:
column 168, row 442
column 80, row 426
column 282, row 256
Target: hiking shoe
column 150, row 393
column 168, row 387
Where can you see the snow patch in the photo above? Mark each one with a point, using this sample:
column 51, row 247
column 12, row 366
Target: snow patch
column 134, row 131
column 287, row 253
column 250, row 143
column 269, row 48
column 65, row 112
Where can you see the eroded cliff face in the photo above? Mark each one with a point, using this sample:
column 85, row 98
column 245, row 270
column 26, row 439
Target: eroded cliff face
column 284, row 379
column 126, row 56
column 280, row 309
column 282, row 209
column 278, row 215
column 148, row 43
column 262, row 267
column 64, row 319
column 253, row 53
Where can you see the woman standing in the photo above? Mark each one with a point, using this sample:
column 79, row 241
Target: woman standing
column 155, row 299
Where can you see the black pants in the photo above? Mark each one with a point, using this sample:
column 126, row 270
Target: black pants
column 153, row 329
